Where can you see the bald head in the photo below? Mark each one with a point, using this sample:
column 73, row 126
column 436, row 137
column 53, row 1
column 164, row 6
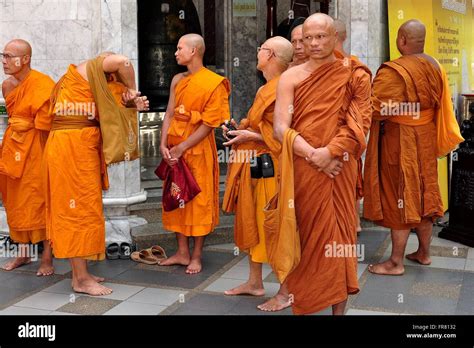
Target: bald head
column 320, row 37
column 297, row 32
column 319, row 20
column 340, row 27
column 411, row 37
column 195, row 41
column 17, row 58
column 282, row 48
column 19, row 47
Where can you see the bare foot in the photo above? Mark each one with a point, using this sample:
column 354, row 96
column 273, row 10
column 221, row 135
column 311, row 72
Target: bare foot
column 387, row 268
column 46, row 269
column 176, row 259
column 18, row 262
column 420, row 258
column 194, row 267
column 246, row 289
column 91, row 287
column 97, row 279
column 277, row 303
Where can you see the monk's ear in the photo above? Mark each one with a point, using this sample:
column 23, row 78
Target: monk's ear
column 26, row 60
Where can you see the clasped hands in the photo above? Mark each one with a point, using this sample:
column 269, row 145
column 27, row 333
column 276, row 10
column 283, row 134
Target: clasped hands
column 172, row 156
column 322, row 160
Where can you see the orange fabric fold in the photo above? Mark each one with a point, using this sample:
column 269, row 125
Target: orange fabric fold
column 281, row 230
column 74, row 175
column 358, row 81
column 201, row 98
column 240, row 187
column 328, row 112
column 21, row 154
column 401, row 176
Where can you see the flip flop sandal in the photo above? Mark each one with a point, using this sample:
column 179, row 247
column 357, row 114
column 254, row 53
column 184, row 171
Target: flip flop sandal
column 158, row 253
column 112, row 251
column 144, row 256
column 125, row 251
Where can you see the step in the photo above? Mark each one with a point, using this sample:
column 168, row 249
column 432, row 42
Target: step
column 154, row 234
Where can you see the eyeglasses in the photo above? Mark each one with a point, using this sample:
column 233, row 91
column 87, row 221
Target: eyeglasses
column 265, row 48
column 8, row 56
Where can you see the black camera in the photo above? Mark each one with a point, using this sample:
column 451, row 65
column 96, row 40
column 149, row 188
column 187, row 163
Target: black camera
column 230, row 127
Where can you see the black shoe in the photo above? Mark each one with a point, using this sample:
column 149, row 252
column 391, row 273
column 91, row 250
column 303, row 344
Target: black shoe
column 125, row 251
column 113, row 251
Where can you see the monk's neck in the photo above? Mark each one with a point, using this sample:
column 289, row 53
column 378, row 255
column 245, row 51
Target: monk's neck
column 314, row 64
column 22, row 74
column 271, row 72
column 194, row 67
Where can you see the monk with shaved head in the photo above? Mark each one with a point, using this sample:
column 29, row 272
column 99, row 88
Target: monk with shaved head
column 74, row 170
column 26, row 93
column 249, row 190
column 198, row 103
column 413, row 124
column 299, row 53
column 318, row 116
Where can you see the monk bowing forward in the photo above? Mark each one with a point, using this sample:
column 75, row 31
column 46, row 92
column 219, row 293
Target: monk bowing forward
column 74, row 170
column 26, row 93
column 199, row 103
column 323, row 100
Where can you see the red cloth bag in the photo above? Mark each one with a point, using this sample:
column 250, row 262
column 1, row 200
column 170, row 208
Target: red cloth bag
column 179, row 186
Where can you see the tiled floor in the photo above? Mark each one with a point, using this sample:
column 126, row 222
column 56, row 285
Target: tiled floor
column 445, row 287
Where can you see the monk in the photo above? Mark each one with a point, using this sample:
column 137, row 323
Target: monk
column 75, row 172
column 198, row 103
column 410, row 97
column 323, row 100
column 300, row 56
column 26, row 93
column 255, row 136
column 342, row 54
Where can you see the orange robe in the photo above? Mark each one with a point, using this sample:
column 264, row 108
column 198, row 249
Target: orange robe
column 74, row 172
column 367, row 120
column 201, row 98
column 22, row 152
column 401, row 176
column 242, row 191
column 327, row 113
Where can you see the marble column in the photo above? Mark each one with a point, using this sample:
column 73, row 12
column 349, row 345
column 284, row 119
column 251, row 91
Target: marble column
column 72, row 33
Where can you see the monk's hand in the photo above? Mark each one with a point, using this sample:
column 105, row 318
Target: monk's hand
column 333, row 169
column 225, row 128
column 241, row 136
column 320, row 157
column 176, row 152
column 130, row 95
column 165, row 152
column 142, row 103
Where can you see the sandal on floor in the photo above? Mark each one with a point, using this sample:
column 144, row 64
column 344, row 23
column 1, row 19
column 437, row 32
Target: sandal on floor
column 125, row 251
column 112, row 251
column 158, row 252
column 144, row 256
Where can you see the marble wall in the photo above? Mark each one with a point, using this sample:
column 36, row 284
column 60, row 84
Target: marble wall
column 70, row 31
column 367, row 29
